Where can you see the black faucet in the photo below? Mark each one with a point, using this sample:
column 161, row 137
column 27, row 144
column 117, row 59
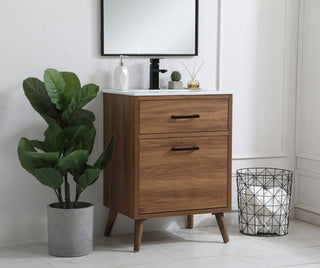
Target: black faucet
column 154, row 73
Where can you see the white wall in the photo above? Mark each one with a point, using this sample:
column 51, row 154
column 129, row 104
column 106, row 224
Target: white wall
column 258, row 62
column 257, row 65
column 308, row 114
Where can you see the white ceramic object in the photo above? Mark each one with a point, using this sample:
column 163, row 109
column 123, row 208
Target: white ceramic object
column 121, row 76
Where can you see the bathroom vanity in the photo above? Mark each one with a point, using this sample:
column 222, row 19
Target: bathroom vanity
column 172, row 155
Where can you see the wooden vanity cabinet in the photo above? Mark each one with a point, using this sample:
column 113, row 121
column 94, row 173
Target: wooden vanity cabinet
column 172, row 156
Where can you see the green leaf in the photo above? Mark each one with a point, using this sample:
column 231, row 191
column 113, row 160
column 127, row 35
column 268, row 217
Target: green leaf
column 73, row 133
column 38, row 144
column 44, row 159
column 23, row 148
column 49, row 177
column 38, row 97
column 88, row 177
column 85, row 141
column 105, row 157
column 82, row 114
column 74, row 160
column 72, row 85
column 69, row 149
column 80, row 99
column 32, row 160
column 56, row 87
column 49, row 119
column 54, row 138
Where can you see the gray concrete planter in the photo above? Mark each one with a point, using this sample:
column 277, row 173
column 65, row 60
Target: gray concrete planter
column 70, row 231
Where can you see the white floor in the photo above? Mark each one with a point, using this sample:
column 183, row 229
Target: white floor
column 183, row 248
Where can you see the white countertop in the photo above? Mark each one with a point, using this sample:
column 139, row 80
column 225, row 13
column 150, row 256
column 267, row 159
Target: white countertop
column 163, row 92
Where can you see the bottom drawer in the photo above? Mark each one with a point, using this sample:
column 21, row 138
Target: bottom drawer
column 192, row 176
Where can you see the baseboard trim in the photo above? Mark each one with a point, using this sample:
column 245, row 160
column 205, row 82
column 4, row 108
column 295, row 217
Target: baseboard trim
column 307, row 216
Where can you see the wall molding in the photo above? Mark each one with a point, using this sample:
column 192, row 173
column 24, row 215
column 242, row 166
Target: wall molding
column 307, row 216
column 299, row 152
column 307, row 173
column 286, row 78
column 258, row 156
column 308, row 209
column 309, row 156
column 289, row 58
column 298, row 203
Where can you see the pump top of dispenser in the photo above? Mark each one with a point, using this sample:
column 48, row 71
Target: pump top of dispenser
column 121, row 62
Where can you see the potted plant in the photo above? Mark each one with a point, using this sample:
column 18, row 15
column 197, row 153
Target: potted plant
column 63, row 154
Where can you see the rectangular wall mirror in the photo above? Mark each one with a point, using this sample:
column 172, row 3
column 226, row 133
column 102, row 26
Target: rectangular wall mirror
column 149, row 27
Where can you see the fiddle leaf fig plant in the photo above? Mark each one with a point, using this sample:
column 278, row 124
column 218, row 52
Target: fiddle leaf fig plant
column 68, row 139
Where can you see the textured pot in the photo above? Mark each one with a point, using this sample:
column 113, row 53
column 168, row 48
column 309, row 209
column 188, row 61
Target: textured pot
column 70, row 231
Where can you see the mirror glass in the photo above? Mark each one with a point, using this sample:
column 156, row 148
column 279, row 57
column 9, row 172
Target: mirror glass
column 149, row 27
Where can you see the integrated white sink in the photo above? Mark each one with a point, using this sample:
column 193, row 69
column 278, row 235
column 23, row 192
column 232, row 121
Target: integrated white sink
column 162, row 92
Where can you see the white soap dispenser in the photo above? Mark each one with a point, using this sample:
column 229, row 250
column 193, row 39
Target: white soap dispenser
column 121, row 76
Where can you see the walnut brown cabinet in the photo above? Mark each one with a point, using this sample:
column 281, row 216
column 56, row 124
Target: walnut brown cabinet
column 172, row 156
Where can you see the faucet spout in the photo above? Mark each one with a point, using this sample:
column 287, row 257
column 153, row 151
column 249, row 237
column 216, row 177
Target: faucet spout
column 159, row 71
column 154, row 73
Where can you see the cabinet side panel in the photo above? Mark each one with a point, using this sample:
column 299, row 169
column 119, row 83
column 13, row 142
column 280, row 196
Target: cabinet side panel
column 119, row 175
column 230, row 154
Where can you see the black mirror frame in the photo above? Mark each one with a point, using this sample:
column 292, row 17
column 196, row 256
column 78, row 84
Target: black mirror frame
column 196, row 36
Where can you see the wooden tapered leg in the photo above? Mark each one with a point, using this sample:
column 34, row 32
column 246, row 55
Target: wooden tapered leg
column 222, row 226
column 190, row 221
column 138, row 229
column 111, row 218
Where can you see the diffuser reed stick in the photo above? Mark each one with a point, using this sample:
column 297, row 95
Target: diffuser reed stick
column 198, row 70
column 187, row 70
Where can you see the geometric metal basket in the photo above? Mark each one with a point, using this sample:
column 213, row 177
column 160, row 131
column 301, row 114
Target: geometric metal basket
column 264, row 200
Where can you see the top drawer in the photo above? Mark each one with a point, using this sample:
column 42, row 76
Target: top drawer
column 174, row 116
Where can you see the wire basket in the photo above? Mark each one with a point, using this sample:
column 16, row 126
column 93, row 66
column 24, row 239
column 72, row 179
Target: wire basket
column 264, row 200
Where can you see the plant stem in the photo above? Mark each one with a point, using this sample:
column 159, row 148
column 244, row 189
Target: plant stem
column 67, row 191
column 59, row 195
column 55, row 191
column 78, row 192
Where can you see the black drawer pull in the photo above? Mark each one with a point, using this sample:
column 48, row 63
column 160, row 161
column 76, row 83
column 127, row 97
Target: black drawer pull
column 185, row 116
column 185, row 149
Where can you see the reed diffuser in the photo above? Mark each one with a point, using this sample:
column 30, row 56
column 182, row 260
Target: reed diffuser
column 193, row 83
